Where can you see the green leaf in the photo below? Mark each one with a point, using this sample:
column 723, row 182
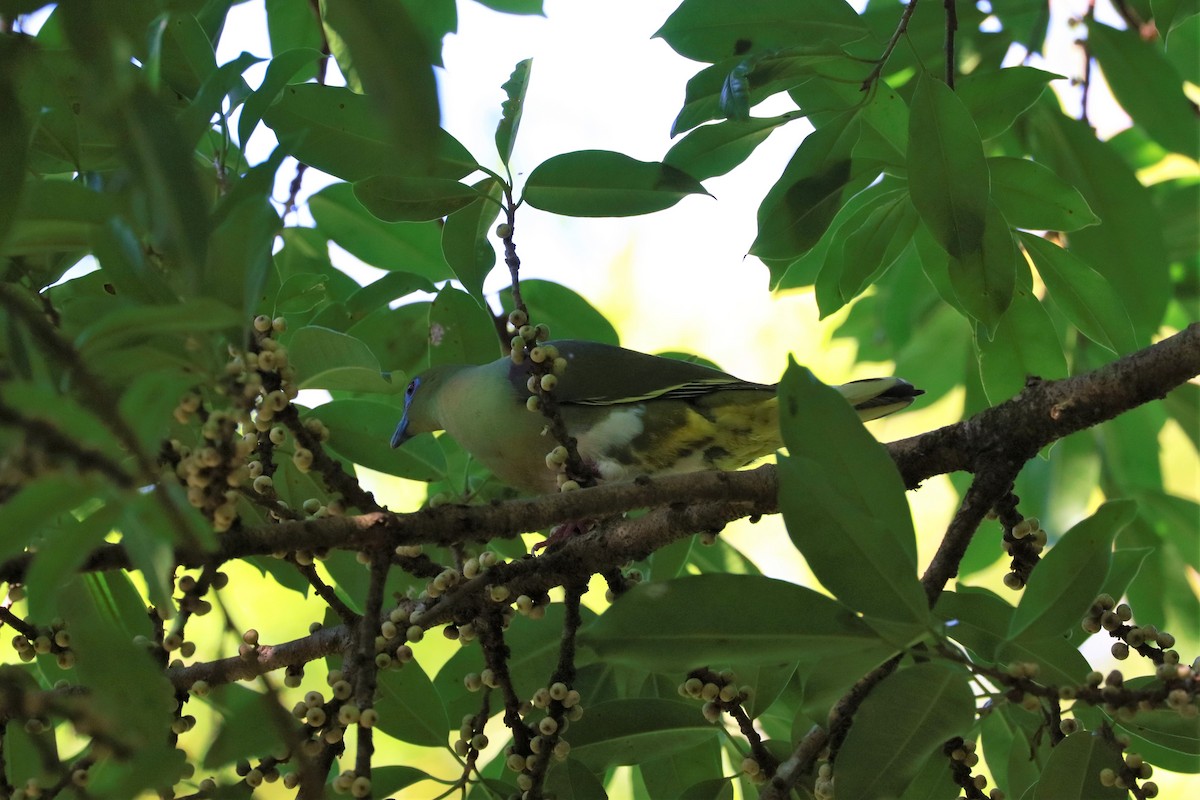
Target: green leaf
column 844, row 505
column 291, row 27
column 1067, row 580
column 337, row 131
column 573, row 780
column 410, row 709
column 138, row 322
column 248, row 726
column 164, row 168
column 326, row 359
column 903, row 721
column 995, row 98
column 300, row 292
column 714, row 150
column 56, row 215
column 1073, row 769
column 389, row 780
column 947, row 172
column 360, row 430
column 239, row 255
column 460, row 332
column 382, row 292
column 465, row 241
column 710, row 30
column 513, row 106
column 14, row 143
column 665, row 775
column 704, row 618
column 620, row 732
column 745, row 82
column 984, row 280
column 1131, row 227
column 123, row 259
column 601, row 183
column 392, row 60
column 568, row 314
column 1024, row 344
column 871, row 249
column 715, row 789
column 1147, row 86
column 1164, row 737
column 798, row 209
column 411, row 247
column 128, row 689
column 1088, row 300
column 393, row 198
column 283, row 67
column 1032, row 196
column 515, row 6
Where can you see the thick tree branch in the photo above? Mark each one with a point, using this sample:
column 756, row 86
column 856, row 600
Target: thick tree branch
column 1014, row 431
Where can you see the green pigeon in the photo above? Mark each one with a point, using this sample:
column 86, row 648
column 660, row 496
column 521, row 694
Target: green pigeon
column 631, row 414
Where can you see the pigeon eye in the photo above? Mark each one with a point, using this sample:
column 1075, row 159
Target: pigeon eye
column 412, row 387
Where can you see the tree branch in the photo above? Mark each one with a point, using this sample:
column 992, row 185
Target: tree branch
column 1015, row 430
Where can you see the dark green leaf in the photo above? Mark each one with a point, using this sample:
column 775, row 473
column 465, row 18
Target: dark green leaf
column 1073, row 769
column 1088, row 300
column 301, row 291
column 134, row 322
column 514, row 6
column 161, row 160
column 465, row 241
column 248, row 726
column 1147, row 86
column 336, row 131
column 383, row 291
column 282, row 69
column 392, row 59
column 326, row 359
column 410, row 247
column 601, row 183
column 984, row 280
column 409, row 707
column 574, row 781
column 14, row 143
column 400, row 199
column 568, row 315
column 947, row 172
column 1023, row 344
column 1163, row 736
column 904, row 720
column 800, row 206
column 389, row 780
column 119, row 252
column 513, row 106
column 716, row 149
column 996, row 98
column 1067, row 580
column 871, row 249
column 703, row 620
column 844, row 505
column 360, row 431
column 56, row 215
column 1131, row 229
column 629, row 731
column 239, row 255
column 460, row 332
column 1032, row 196
column 710, row 30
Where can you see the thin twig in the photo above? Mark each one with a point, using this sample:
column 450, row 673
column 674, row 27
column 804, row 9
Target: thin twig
column 901, row 27
column 951, row 29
